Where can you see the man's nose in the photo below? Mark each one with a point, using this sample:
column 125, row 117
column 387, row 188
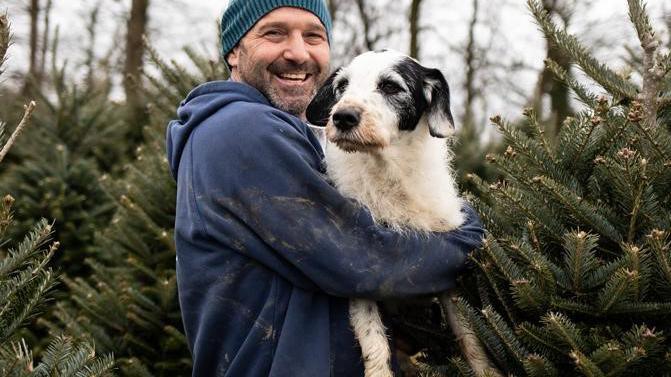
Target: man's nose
column 296, row 49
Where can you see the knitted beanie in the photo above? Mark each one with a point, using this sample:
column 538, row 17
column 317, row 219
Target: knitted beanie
column 241, row 15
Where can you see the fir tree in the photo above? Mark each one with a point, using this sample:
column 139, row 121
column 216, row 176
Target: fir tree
column 57, row 168
column 26, row 282
column 575, row 274
column 129, row 303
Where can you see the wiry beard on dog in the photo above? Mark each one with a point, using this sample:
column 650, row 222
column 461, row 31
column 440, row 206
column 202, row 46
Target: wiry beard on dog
column 364, row 138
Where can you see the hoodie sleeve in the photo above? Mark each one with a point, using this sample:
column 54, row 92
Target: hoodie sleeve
column 256, row 174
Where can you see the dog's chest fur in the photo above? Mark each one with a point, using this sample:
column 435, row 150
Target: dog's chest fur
column 407, row 186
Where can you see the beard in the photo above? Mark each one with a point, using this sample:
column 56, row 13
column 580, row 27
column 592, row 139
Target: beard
column 293, row 100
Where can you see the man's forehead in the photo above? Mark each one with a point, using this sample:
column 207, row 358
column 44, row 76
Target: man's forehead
column 290, row 16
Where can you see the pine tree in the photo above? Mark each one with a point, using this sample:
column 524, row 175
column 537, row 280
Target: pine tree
column 57, row 168
column 575, row 274
column 129, row 303
column 26, row 282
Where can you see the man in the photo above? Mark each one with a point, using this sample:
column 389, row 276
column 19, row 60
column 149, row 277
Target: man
column 268, row 252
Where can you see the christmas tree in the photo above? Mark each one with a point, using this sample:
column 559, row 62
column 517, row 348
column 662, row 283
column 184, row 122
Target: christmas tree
column 26, row 282
column 129, row 303
column 58, row 167
column 574, row 278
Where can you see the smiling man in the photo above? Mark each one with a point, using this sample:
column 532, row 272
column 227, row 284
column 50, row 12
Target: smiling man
column 268, row 252
column 285, row 56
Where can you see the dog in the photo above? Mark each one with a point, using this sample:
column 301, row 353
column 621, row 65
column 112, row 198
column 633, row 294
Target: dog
column 386, row 118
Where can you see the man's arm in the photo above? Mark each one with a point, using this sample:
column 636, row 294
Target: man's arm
column 259, row 171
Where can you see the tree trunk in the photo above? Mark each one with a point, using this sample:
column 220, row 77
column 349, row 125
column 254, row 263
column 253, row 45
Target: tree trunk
column 333, row 10
column 32, row 78
column 548, row 83
column 90, row 50
column 415, row 10
column 45, row 38
column 471, row 69
column 366, row 22
column 137, row 28
column 4, row 39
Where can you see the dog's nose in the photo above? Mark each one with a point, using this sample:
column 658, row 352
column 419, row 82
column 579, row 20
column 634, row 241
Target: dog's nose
column 346, row 119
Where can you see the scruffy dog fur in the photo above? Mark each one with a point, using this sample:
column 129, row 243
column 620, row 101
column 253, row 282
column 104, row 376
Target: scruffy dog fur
column 386, row 118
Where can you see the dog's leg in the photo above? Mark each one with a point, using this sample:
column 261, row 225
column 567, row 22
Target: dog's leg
column 370, row 332
column 468, row 343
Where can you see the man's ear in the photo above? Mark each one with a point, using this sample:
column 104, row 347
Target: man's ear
column 437, row 93
column 233, row 57
column 319, row 110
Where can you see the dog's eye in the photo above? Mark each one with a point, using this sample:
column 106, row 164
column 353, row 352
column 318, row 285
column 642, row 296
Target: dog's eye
column 341, row 86
column 389, row 87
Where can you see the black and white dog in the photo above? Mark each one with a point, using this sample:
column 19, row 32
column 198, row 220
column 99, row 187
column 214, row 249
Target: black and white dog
column 386, row 118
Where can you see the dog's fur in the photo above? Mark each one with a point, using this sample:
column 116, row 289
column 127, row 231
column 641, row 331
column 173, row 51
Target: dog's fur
column 386, row 118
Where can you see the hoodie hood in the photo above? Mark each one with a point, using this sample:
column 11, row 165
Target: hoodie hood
column 204, row 101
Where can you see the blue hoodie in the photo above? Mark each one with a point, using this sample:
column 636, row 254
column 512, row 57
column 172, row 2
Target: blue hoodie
column 268, row 252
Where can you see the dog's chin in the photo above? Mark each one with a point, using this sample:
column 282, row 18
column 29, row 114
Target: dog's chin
column 355, row 140
column 351, row 146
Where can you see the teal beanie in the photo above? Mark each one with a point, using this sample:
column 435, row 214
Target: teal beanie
column 241, row 15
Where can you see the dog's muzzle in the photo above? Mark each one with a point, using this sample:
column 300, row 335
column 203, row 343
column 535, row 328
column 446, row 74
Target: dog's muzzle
column 346, row 119
column 352, row 128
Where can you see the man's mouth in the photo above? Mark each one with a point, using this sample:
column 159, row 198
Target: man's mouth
column 298, row 77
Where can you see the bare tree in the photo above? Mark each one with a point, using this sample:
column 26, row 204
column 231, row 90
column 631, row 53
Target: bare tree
column 548, row 84
column 667, row 20
column 89, row 63
column 4, row 39
column 32, row 77
column 333, row 9
column 415, row 16
column 137, row 28
column 362, row 25
column 45, row 36
column 470, row 59
column 366, row 23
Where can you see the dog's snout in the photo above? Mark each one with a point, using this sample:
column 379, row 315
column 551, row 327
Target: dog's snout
column 346, row 119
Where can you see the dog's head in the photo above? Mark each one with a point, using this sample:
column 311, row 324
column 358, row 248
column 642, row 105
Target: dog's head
column 380, row 95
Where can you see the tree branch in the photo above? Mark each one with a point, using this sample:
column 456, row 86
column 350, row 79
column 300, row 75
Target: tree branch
column 415, row 11
column 28, row 113
column 652, row 71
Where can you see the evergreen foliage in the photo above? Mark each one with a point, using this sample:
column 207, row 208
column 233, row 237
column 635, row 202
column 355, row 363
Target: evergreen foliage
column 469, row 152
column 575, row 273
column 57, row 168
column 25, row 285
column 129, row 303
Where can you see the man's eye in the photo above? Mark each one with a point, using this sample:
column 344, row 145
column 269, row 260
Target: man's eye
column 273, row 33
column 315, row 36
column 389, row 87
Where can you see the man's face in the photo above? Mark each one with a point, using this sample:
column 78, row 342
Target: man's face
column 285, row 56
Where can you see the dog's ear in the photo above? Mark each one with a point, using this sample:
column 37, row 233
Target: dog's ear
column 437, row 93
column 319, row 110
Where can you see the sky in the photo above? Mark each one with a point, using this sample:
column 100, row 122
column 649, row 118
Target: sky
column 513, row 37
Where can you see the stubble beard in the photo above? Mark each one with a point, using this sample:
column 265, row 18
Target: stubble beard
column 292, row 100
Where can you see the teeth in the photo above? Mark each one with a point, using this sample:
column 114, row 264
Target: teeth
column 293, row 76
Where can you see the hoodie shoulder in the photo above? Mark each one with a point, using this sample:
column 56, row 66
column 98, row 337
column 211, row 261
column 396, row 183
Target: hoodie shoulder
column 226, row 111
